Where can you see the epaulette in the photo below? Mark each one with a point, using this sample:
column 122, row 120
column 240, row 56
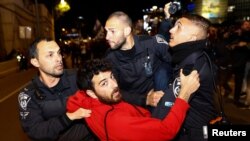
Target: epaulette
column 28, row 87
column 31, row 88
column 160, row 39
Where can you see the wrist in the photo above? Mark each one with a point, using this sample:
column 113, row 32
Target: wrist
column 148, row 97
column 65, row 120
column 184, row 95
column 69, row 115
column 167, row 17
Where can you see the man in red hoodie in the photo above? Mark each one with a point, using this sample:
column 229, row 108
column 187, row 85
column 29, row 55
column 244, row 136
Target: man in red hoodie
column 115, row 120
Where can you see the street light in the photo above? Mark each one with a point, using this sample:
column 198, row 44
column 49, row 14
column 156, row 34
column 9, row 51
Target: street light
column 63, row 6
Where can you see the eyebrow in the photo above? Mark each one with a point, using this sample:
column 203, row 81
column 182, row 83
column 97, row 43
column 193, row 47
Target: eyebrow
column 109, row 28
column 51, row 51
column 105, row 79
column 102, row 81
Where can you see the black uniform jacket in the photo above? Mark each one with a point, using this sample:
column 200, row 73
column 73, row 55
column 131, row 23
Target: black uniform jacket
column 43, row 110
column 190, row 56
column 134, row 69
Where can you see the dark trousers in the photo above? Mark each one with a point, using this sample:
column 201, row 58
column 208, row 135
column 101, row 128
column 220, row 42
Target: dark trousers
column 224, row 75
column 238, row 81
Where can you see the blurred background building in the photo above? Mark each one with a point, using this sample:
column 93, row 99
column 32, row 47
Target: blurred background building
column 219, row 11
column 238, row 10
column 20, row 22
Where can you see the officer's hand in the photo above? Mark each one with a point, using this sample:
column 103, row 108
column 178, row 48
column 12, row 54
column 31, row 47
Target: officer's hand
column 166, row 7
column 154, row 97
column 79, row 114
column 189, row 84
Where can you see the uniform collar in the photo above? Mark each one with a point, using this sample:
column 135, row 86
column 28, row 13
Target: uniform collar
column 181, row 51
column 63, row 82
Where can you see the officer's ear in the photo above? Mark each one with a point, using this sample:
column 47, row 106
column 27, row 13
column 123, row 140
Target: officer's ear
column 91, row 93
column 34, row 62
column 127, row 30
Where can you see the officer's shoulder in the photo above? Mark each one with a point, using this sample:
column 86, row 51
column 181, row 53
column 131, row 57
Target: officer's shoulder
column 160, row 39
column 70, row 72
column 144, row 37
column 108, row 52
column 28, row 89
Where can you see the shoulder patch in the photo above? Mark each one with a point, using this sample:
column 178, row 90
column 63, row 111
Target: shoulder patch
column 160, row 40
column 23, row 100
column 28, row 87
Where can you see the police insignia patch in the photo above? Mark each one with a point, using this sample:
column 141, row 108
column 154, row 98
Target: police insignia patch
column 161, row 40
column 177, row 86
column 23, row 100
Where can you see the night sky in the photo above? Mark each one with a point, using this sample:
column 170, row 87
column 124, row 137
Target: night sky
column 91, row 9
column 101, row 9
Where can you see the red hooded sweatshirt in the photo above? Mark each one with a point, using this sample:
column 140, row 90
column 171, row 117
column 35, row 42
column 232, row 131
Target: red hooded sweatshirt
column 125, row 122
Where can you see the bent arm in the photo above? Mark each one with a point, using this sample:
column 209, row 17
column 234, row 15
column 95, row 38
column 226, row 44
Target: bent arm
column 39, row 128
column 133, row 127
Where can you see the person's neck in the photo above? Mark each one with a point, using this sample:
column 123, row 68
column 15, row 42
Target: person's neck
column 49, row 80
column 129, row 43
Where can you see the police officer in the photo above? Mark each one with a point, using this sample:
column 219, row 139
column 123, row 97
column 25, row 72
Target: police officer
column 42, row 104
column 136, row 60
column 188, row 42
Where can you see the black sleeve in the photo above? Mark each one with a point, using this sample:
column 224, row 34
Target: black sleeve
column 134, row 98
column 161, row 48
column 34, row 124
column 164, row 28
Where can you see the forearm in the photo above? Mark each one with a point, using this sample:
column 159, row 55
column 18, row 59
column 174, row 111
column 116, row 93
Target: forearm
column 184, row 94
column 146, row 128
column 46, row 129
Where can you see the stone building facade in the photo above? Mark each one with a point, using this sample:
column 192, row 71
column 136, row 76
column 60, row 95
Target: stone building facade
column 21, row 21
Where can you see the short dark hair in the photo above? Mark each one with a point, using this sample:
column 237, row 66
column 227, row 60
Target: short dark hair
column 200, row 22
column 122, row 16
column 33, row 48
column 87, row 71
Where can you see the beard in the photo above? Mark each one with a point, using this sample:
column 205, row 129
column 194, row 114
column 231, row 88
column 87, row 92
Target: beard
column 113, row 99
column 57, row 73
column 119, row 46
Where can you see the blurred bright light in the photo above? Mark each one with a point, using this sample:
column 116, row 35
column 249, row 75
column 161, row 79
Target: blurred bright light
column 214, row 9
column 63, row 6
column 154, row 7
column 80, row 17
column 230, row 8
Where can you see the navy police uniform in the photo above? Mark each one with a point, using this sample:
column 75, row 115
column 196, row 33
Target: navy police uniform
column 43, row 111
column 191, row 56
column 135, row 69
